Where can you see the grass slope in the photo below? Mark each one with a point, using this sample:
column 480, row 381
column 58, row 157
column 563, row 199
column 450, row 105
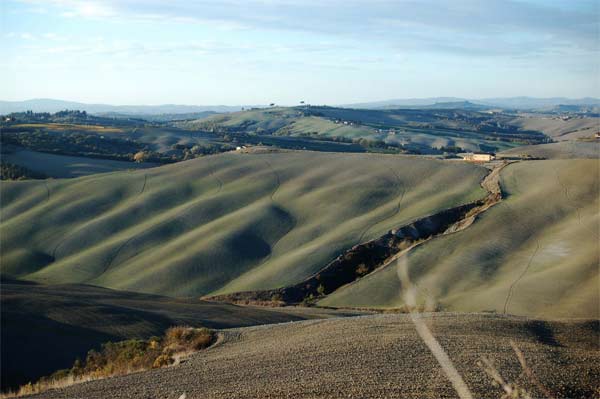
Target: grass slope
column 561, row 150
column 535, row 253
column 219, row 224
column 559, row 129
column 162, row 139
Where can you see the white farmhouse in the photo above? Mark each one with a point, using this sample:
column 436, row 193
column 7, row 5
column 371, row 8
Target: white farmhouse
column 478, row 157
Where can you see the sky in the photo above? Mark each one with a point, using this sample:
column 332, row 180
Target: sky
column 235, row 52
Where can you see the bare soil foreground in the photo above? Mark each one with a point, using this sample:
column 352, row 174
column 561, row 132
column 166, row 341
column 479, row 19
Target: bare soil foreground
column 374, row 356
column 47, row 327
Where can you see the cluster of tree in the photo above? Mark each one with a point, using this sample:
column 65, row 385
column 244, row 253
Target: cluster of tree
column 206, row 126
column 75, row 114
column 68, row 116
column 512, row 134
column 286, row 131
column 451, row 149
column 311, row 112
column 30, row 116
column 72, row 143
column 373, row 145
column 9, row 171
column 201, row 149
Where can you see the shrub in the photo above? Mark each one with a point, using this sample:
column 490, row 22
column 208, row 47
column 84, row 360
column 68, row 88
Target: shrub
column 162, row 361
column 362, row 269
column 140, row 156
column 188, row 338
column 118, row 358
column 321, row 289
column 276, row 298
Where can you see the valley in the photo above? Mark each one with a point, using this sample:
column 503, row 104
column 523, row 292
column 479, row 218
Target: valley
column 290, row 199
column 266, row 219
column 290, row 215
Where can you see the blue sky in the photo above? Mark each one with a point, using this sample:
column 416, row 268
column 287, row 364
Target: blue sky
column 324, row 52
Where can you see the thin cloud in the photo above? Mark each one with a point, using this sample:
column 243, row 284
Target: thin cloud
column 431, row 25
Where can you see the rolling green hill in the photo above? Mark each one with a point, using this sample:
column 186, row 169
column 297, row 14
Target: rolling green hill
column 559, row 129
column 218, row 224
column 536, row 253
column 560, row 150
column 422, row 130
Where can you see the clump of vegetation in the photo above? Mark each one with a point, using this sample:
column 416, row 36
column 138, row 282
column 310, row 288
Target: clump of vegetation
column 362, row 270
column 9, row 171
column 308, row 300
column 69, row 116
column 201, row 149
column 321, row 289
column 185, row 339
column 453, row 149
column 116, row 358
column 277, row 299
column 140, row 156
column 125, row 357
column 80, row 143
column 70, row 143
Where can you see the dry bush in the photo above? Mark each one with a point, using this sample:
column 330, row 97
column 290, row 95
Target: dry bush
column 321, row 290
column 362, row 270
column 119, row 358
column 276, row 298
column 162, row 361
column 188, row 338
column 43, row 385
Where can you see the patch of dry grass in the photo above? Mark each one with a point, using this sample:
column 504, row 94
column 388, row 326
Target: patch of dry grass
column 70, row 127
column 125, row 357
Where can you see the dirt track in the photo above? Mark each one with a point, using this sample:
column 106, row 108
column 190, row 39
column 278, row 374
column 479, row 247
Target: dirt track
column 377, row 356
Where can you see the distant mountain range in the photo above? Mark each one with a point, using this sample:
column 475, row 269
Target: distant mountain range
column 51, row 105
column 170, row 111
column 519, row 103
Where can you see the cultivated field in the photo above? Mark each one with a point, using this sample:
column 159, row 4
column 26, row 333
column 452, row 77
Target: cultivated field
column 69, row 127
column 377, row 356
column 561, row 150
column 219, row 224
column 65, row 166
column 162, row 139
column 559, row 129
column 47, row 327
column 536, row 253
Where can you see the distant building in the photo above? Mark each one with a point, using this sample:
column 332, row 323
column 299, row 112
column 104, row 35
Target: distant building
column 478, row 157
